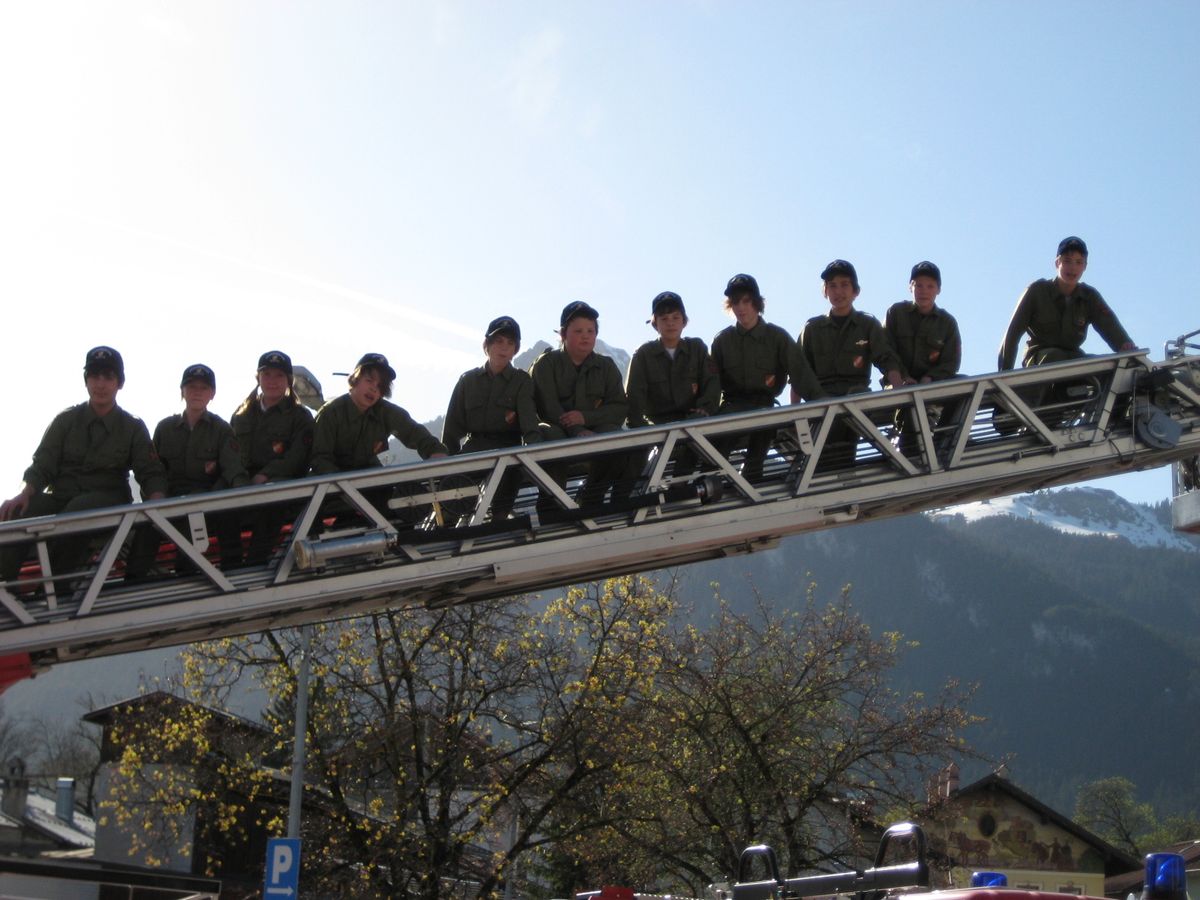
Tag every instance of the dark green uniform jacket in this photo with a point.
(347, 439)
(662, 389)
(488, 412)
(199, 459)
(753, 366)
(1054, 321)
(82, 453)
(593, 388)
(926, 345)
(276, 442)
(842, 349)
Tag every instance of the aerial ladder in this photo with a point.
(424, 533)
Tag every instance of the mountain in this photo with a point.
(1084, 510)
(525, 359)
(1084, 644)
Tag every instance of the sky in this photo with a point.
(202, 182)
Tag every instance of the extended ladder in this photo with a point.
(427, 537)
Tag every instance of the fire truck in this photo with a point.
(427, 533)
(759, 878)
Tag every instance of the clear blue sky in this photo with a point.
(206, 181)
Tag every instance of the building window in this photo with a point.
(987, 825)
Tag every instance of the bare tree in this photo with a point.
(68, 750)
(544, 745)
(777, 727)
(16, 741)
(441, 741)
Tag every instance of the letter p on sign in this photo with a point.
(281, 861)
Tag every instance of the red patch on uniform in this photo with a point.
(858, 362)
(935, 355)
(379, 447)
(769, 381)
(210, 467)
(233, 445)
(277, 448)
(509, 417)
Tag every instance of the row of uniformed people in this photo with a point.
(86, 454)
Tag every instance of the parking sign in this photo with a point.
(283, 869)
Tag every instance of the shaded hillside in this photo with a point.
(1077, 679)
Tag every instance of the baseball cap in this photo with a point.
(276, 359)
(925, 267)
(378, 361)
(1072, 244)
(503, 325)
(742, 284)
(199, 372)
(576, 309)
(840, 267)
(667, 301)
(105, 359)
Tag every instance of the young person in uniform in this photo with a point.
(492, 407)
(926, 340)
(578, 393)
(754, 360)
(842, 345)
(672, 378)
(274, 433)
(1055, 314)
(83, 462)
(200, 454)
(353, 429)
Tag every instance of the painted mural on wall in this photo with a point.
(991, 829)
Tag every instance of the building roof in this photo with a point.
(104, 714)
(40, 813)
(79, 833)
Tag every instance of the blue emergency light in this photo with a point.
(1166, 877)
(989, 879)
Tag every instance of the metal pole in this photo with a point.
(296, 798)
(510, 880)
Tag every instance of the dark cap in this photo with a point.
(276, 359)
(503, 325)
(1072, 244)
(742, 284)
(376, 361)
(199, 372)
(667, 301)
(576, 310)
(840, 267)
(925, 267)
(105, 359)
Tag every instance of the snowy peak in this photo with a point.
(1083, 510)
(619, 356)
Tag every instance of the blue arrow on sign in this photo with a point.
(283, 868)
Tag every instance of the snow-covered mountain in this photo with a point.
(1080, 510)
(619, 356)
